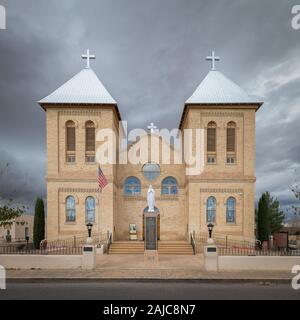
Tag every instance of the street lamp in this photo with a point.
(210, 227)
(89, 227)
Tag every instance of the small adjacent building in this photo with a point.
(18, 229)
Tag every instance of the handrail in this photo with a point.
(193, 243)
(225, 240)
(108, 241)
(77, 240)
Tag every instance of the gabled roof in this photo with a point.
(84, 87)
(218, 89)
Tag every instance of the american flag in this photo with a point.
(101, 179)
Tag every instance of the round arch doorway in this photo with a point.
(156, 210)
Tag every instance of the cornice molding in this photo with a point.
(79, 190)
(80, 113)
(221, 190)
(221, 114)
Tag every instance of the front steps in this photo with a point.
(175, 247)
(127, 247)
(164, 247)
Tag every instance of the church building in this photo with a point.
(222, 193)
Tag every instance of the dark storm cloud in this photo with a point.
(150, 56)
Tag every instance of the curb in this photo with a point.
(262, 281)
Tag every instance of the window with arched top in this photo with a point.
(211, 204)
(211, 142)
(70, 141)
(230, 210)
(231, 142)
(169, 186)
(90, 207)
(70, 209)
(132, 186)
(90, 141)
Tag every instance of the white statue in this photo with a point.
(151, 199)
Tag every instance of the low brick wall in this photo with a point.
(280, 263)
(12, 261)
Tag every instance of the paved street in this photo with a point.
(134, 290)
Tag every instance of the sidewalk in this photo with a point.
(133, 267)
(138, 274)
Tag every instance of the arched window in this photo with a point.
(211, 142)
(231, 142)
(70, 209)
(211, 209)
(70, 141)
(90, 209)
(169, 186)
(90, 141)
(230, 210)
(132, 186)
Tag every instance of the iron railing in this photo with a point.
(49, 250)
(226, 241)
(109, 241)
(67, 246)
(248, 251)
(193, 243)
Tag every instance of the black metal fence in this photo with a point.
(253, 251)
(230, 246)
(225, 241)
(69, 246)
(51, 250)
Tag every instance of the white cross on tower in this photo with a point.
(88, 57)
(152, 127)
(213, 58)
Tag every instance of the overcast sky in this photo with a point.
(150, 57)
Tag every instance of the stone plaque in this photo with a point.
(151, 233)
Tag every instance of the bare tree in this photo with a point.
(8, 211)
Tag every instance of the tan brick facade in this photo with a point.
(180, 214)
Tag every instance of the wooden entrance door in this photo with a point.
(158, 226)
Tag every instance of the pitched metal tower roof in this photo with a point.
(218, 89)
(84, 87)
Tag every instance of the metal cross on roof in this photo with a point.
(152, 127)
(88, 57)
(213, 58)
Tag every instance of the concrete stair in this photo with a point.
(127, 247)
(175, 247)
(164, 247)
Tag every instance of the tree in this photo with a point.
(8, 211)
(263, 226)
(269, 218)
(276, 216)
(295, 188)
(39, 223)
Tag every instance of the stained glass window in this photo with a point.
(169, 186)
(132, 186)
(90, 209)
(211, 209)
(230, 210)
(70, 209)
